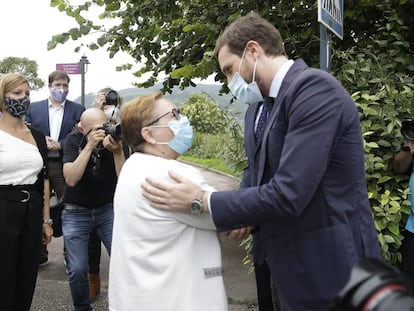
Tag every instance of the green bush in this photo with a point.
(379, 77)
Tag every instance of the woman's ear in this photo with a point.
(146, 134)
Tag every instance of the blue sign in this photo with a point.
(331, 15)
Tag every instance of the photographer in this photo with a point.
(110, 102)
(403, 163)
(92, 161)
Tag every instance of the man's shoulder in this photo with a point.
(76, 105)
(38, 103)
(75, 134)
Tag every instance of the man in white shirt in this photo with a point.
(55, 117)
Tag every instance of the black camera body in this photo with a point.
(113, 129)
(375, 286)
(111, 98)
(407, 129)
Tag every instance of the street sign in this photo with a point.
(331, 15)
(74, 68)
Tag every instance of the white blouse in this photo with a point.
(20, 161)
(160, 260)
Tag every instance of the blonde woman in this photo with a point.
(24, 196)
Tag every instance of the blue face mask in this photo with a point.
(247, 92)
(17, 106)
(59, 94)
(183, 135)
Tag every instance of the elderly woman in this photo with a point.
(24, 196)
(160, 260)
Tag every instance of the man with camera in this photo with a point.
(402, 164)
(110, 102)
(93, 157)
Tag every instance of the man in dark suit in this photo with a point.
(56, 117)
(304, 190)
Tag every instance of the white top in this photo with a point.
(162, 260)
(20, 161)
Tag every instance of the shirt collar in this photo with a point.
(52, 106)
(278, 79)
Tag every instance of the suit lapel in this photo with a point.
(66, 115)
(45, 115)
(250, 119)
(298, 67)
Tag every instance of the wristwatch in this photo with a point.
(196, 206)
(48, 221)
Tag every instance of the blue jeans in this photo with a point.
(77, 224)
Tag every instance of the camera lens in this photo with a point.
(111, 98)
(375, 286)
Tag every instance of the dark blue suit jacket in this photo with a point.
(305, 190)
(38, 116)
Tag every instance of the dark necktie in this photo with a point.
(261, 123)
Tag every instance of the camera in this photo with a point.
(407, 129)
(111, 98)
(113, 129)
(375, 286)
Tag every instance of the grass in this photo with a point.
(217, 164)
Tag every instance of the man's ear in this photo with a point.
(146, 134)
(253, 47)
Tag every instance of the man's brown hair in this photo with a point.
(57, 75)
(251, 27)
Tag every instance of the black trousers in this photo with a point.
(407, 252)
(267, 295)
(20, 238)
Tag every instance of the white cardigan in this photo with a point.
(162, 260)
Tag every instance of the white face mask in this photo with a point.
(247, 92)
(112, 113)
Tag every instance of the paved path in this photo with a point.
(52, 290)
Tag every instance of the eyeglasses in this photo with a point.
(96, 160)
(174, 112)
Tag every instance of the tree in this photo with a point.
(205, 116)
(177, 37)
(24, 66)
(374, 62)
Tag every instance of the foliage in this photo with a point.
(374, 62)
(24, 66)
(205, 116)
(217, 132)
(211, 163)
(177, 37)
(379, 76)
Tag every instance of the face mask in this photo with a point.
(112, 113)
(183, 135)
(17, 106)
(59, 94)
(247, 92)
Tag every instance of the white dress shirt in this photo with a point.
(55, 123)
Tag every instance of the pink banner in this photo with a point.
(69, 68)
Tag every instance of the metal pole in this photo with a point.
(83, 64)
(325, 49)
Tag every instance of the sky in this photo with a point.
(26, 27)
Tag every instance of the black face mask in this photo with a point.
(17, 106)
